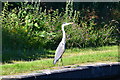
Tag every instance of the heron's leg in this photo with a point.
(58, 63)
(62, 61)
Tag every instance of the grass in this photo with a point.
(70, 57)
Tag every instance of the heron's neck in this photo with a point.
(64, 37)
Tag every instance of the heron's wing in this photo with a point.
(59, 51)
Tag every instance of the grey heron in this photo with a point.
(61, 47)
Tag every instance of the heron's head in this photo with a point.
(65, 24)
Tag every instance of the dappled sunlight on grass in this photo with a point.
(70, 57)
(84, 51)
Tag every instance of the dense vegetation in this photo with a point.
(28, 28)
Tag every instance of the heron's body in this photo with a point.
(59, 52)
(61, 47)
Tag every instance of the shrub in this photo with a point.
(31, 27)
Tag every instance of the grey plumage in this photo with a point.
(59, 52)
(61, 47)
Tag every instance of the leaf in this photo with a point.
(36, 25)
(42, 35)
(27, 17)
(30, 24)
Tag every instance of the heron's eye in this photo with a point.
(64, 23)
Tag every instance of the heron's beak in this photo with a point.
(71, 23)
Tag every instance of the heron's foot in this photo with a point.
(67, 66)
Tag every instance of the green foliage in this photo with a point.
(31, 27)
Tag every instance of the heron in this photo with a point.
(61, 47)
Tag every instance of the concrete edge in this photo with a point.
(97, 70)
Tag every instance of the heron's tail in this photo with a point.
(54, 62)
